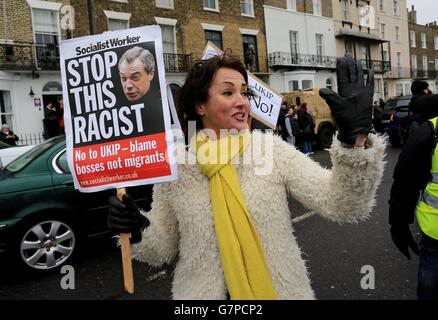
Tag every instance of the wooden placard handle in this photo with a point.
(128, 278)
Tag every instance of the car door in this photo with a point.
(93, 206)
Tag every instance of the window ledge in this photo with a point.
(212, 10)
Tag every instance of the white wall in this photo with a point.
(27, 119)
(280, 21)
(278, 24)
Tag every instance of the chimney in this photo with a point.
(412, 15)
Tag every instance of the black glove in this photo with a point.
(352, 107)
(402, 237)
(126, 217)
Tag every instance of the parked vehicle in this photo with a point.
(9, 153)
(43, 220)
(390, 109)
(320, 111)
(398, 127)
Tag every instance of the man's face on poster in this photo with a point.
(135, 80)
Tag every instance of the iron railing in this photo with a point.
(30, 139)
(287, 59)
(378, 66)
(424, 74)
(177, 62)
(31, 56)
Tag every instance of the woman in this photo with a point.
(228, 224)
(7, 136)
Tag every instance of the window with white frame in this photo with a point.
(6, 114)
(385, 55)
(382, 5)
(211, 5)
(46, 31)
(45, 26)
(397, 33)
(399, 89)
(436, 64)
(117, 24)
(383, 30)
(435, 41)
(319, 45)
(215, 37)
(293, 39)
(423, 41)
(292, 5)
(414, 65)
(396, 6)
(117, 20)
(168, 34)
(425, 66)
(294, 85)
(378, 87)
(345, 10)
(413, 40)
(317, 7)
(247, 7)
(306, 84)
(164, 3)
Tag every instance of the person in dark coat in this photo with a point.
(412, 175)
(281, 125)
(307, 126)
(8, 136)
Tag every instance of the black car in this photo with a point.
(399, 126)
(390, 109)
(43, 219)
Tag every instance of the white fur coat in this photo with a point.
(182, 220)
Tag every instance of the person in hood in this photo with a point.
(415, 177)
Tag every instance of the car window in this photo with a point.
(62, 162)
(403, 102)
(390, 105)
(22, 161)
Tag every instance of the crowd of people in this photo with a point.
(296, 126)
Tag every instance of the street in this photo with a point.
(335, 255)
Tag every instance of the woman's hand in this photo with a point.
(352, 107)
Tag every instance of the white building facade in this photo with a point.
(301, 49)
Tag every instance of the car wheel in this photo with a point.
(46, 245)
(325, 137)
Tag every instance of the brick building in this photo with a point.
(423, 43)
(31, 31)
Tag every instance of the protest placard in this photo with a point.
(117, 119)
(265, 105)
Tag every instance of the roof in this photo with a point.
(358, 34)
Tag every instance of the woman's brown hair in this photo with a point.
(199, 80)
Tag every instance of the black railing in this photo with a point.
(377, 65)
(398, 73)
(30, 139)
(31, 56)
(287, 59)
(424, 74)
(177, 62)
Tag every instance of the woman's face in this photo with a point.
(227, 105)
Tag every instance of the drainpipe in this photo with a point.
(5, 19)
(90, 16)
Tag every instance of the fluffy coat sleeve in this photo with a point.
(346, 193)
(160, 240)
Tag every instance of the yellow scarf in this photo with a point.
(243, 260)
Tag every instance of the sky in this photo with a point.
(427, 10)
